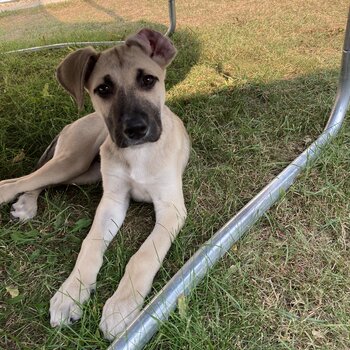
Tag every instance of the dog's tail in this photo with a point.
(48, 154)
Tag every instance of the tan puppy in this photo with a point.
(144, 149)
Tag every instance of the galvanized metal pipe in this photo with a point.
(158, 310)
(169, 32)
(172, 18)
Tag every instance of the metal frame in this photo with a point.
(169, 32)
(142, 329)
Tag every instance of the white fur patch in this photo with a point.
(25, 208)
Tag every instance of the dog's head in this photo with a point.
(125, 84)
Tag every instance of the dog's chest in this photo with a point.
(139, 185)
(142, 175)
(142, 170)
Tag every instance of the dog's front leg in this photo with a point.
(65, 305)
(121, 309)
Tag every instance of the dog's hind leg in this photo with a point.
(92, 175)
(26, 205)
(69, 156)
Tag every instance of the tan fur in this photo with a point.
(151, 171)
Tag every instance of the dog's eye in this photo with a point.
(145, 81)
(104, 90)
(148, 81)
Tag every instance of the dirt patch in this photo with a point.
(191, 13)
(8, 5)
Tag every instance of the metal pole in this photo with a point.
(169, 32)
(158, 310)
(172, 18)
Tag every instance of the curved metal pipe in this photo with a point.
(158, 310)
(172, 18)
(63, 45)
(169, 32)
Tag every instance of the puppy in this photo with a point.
(144, 149)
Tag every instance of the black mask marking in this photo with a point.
(128, 111)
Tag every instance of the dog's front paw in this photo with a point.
(117, 315)
(66, 304)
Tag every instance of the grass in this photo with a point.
(254, 84)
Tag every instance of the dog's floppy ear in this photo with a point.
(154, 44)
(74, 71)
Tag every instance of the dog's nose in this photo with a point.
(135, 129)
